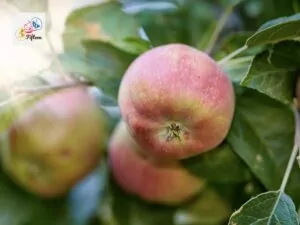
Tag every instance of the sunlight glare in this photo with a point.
(16, 61)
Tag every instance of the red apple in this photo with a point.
(141, 175)
(56, 142)
(176, 101)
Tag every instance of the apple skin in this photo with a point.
(56, 142)
(154, 181)
(176, 101)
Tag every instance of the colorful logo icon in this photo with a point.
(28, 30)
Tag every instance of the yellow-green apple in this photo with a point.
(56, 142)
(177, 101)
(155, 181)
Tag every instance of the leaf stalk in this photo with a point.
(293, 154)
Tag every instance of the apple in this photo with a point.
(153, 180)
(176, 101)
(56, 142)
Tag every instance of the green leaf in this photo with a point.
(233, 42)
(262, 134)
(163, 26)
(269, 208)
(276, 30)
(244, 191)
(20, 208)
(100, 63)
(140, 45)
(273, 72)
(106, 65)
(208, 209)
(256, 12)
(105, 22)
(73, 62)
(237, 68)
(218, 165)
(119, 208)
(191, 22)
(286, 54)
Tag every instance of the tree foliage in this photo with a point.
(245, 174)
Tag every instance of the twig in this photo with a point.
(232, 55)
(51, 87)
(23, 92)
(12, 99)
(222, 21)
(293, 155)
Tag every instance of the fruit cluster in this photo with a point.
(175, 103)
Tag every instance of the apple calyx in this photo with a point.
(173, 130)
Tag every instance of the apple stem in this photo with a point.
(232, 55)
